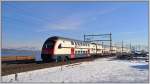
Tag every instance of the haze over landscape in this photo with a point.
(29, 55)
(26, 25)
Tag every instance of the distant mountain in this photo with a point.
(18, 52)
(27, 48)
(24, 48)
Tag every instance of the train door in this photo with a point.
(72, 53)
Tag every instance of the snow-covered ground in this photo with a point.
(99, 70)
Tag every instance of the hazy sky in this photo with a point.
(31, 23)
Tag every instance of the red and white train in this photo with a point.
(59, 47)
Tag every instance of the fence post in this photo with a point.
(16, 76)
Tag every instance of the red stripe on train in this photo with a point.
(88, 53)
(72, 55)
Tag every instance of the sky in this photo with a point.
(29, 24)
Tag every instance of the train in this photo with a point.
(57, 47)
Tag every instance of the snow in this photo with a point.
(100, 70)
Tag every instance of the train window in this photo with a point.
(75, 52)
(82, 44)
(78, 43)
(72, 43)
(59, 46)
(83, 51)
(75, 43)
(78, 52)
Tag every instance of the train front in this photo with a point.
(48, 49)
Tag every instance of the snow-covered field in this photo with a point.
(99, 70)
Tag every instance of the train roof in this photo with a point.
(63, 38)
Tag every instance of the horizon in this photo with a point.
(29, 24)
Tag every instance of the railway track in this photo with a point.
(12, 68)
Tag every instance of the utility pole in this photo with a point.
(109, 38)
(139, 47)
(130, 46)
(102, 48)
(84, 37)
(122, 46)
(110, 43)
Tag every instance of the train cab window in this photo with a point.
(59, 46)
(72, 43)
(49, 45)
